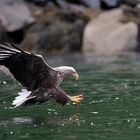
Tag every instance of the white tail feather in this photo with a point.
(22, 97)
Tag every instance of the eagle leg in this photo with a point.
(76, 99)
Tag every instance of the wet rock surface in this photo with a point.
(15, 15)
(65, 25)
(56, 31)
(107, 34)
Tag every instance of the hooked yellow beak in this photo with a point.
(77, 77)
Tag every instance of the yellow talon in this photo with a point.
(76, 99)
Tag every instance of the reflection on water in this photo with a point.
(110, 109)
(53, 121)
(23, 120)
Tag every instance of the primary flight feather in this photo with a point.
(41, 81)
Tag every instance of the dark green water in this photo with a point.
(110, 109)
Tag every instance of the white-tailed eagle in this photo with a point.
(41, 81)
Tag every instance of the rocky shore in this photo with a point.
(102, 26)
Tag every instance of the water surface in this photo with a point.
(110, 109)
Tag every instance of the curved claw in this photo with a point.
(76, 99)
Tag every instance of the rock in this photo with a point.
(55, 29)
(87, 3)
(131, 3)
(61, 34)
(64, 3)
(92, 3)
(14, 15)
(109, 4)
(106, 34)
(131, 14)
(38, 2)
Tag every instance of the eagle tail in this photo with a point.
(22, 97)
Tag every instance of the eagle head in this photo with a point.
(64, 71)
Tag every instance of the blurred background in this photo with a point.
(62, 26)
(101, 40)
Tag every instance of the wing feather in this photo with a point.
(7, 72)
(28, 69)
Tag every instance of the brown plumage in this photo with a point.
(41, 81)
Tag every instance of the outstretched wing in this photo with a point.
(27, 68)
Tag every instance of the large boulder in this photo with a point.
(60, 31)
(106, 34)
(14, 15)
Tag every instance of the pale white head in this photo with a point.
(64, 71)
